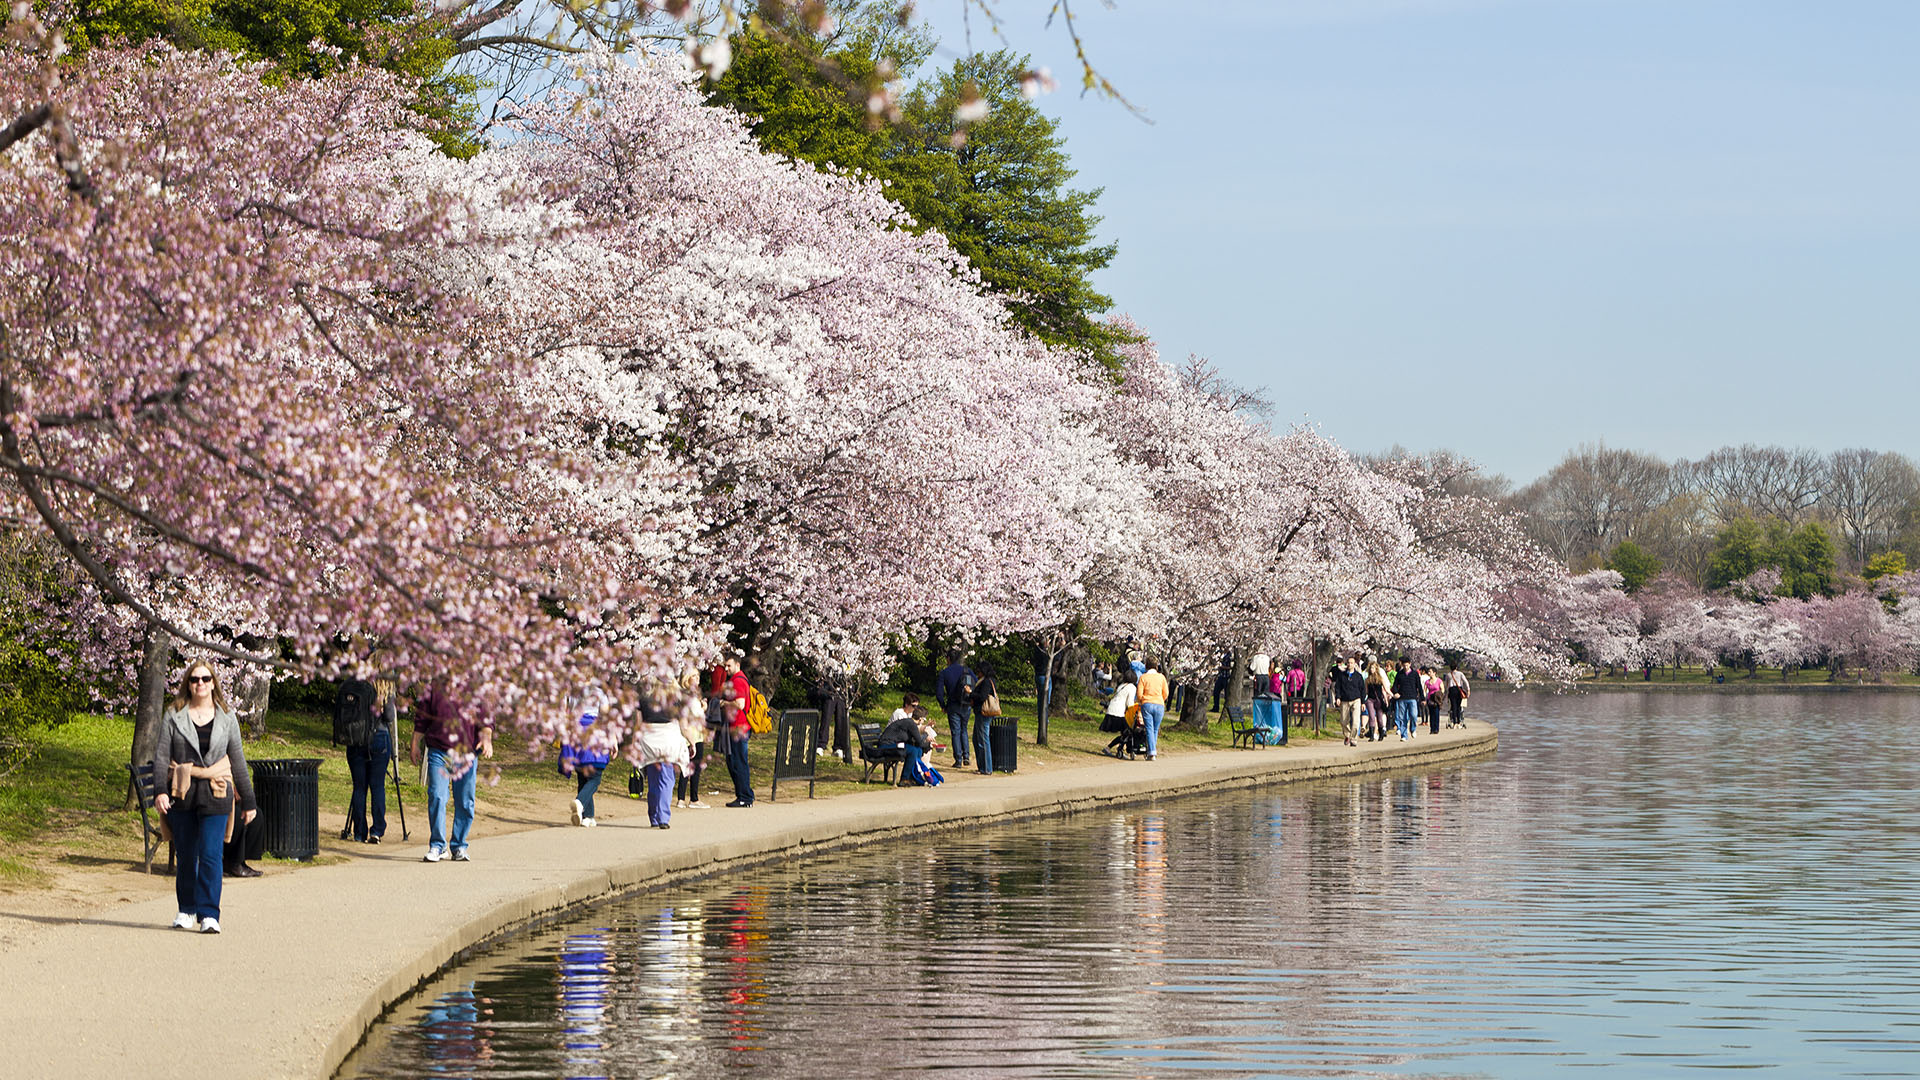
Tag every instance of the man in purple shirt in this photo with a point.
(444, 727)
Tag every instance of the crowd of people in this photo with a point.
(206, 800)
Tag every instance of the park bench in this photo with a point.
(150, 835)
(872, 756)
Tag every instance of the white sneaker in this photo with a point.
(209, 926)
(184, 921)
(698, 805)
(587, 821)
(460, 855)
(434, 855)
(577, 810)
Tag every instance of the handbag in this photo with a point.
(990, 705)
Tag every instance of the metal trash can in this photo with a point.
(1004, 737)
(288, 791)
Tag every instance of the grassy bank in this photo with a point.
(68, 804)
(1766, 678)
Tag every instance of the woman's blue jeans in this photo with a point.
(1152, 713)
(197, 844)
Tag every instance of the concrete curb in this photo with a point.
(372, 933)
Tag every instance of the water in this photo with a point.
(1649, 885)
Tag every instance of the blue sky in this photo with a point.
(1507, 227)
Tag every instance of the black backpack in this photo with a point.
(353, 714)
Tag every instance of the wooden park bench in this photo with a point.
(872, 756)
(150, 835)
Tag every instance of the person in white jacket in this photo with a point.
(1123, 699)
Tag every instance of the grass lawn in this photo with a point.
(67, 805)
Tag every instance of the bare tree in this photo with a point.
(1759, 481)
(1596, 497)
(1869, 493)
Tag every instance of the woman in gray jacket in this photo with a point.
(199, 770)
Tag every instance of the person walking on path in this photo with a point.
(663, 754)
(201, 772)
(1376, 700)
(586, 763)
(954, 691)
(1349, 688)
(736, 701)
(1153, 705)
(445, 729)
(985, 686)
(1433, 695)
(1407, 692)
(1457, 693)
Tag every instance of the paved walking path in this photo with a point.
(309, 959)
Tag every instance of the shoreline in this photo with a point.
(307, 963)
(1744, 686)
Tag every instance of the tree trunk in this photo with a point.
(1320, 656)
(1193, 708)
(251, 691)
(1238, 691)
(156, 656)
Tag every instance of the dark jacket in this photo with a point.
(445, 724)
(904, 731)
(954, 690)
(1407, 685)
(1349, 685)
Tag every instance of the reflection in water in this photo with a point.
(1650, 884)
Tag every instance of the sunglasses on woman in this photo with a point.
(199, 679)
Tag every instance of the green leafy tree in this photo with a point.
(1886, 564)
(1635, 564)
(1738, 550)
(1804, 556)
(1004, 203)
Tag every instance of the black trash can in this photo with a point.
(1004, 737)
(288, 790)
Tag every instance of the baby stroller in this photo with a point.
(1131, 742)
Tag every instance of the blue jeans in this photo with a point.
(957, 731)
(439, 787)
(368, 767)
(660, 777)
(737, 766)
(1151, 713)
(586, 787)
(1406, 715)
(197, 845)
(983, 743)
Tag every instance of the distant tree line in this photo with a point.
(1819, 520)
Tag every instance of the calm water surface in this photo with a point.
(1649, 885)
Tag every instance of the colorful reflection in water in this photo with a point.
(1645, 885)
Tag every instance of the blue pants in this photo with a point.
(983, 743)
(440, 787)
(197, 844)
(368, 767)
(660, 777)
(737, 766)
(1151, 714)
(586, 786)
(957, 731)
(1406, 715)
